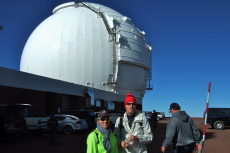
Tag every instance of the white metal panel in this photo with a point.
(135, 79)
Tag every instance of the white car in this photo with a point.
(69, 123)
(160, 115)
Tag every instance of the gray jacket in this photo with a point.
(140, 127)
(181, 130)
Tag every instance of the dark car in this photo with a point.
(114, 114)
(218, 118)
(11, 121)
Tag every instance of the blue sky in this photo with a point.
(190, 41)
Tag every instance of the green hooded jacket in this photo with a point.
(95, 143)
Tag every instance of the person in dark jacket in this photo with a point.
(154, 119)
(181, 132)
(53, 124)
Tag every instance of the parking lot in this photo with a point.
(216, 141)
(30, 144)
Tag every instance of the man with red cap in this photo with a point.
(132, 130)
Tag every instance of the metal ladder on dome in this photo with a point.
(112, 33)
(101, 14)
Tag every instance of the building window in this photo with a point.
(98, 103)
(89, 93)
(88, 102)
(110, 106)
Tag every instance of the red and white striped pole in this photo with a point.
(205, 118)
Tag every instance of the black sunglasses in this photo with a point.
(103, 119)
(131, 104)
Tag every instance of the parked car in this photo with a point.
(218, 118)
(32, 119)
(161, 115)
(114, 114)
(68, 123)
(148, 114)
(88, 115)
(11, 121)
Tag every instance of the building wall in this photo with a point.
(48, 103)
(10, 96)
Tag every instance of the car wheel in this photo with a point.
(219, 125)
(68, 129)
(158, 118)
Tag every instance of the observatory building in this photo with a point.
(91, 46)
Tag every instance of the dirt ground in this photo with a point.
(217, 141)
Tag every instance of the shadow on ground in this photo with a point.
(159, 136)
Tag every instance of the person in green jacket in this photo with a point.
(102, 139)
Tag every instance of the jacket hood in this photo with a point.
(181, 115)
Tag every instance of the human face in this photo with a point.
(130, 108)
(104, 122)
(173, 111)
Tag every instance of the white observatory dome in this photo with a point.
(91, 45)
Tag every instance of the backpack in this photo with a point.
(96, 132)
(120, 124)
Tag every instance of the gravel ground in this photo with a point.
(217, 141)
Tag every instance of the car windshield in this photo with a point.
(73, 118)
(12, 116)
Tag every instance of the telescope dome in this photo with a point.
(91, 45)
